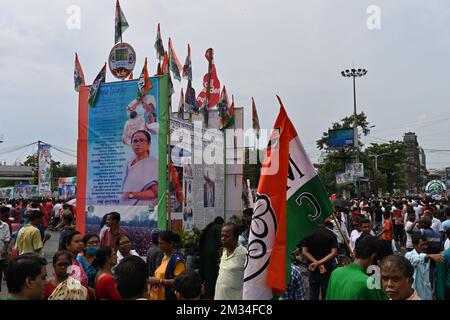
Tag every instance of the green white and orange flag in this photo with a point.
(144, 83)
(174, 63)
(78, 75)
(181, 105)
(121, 23)
(187, 67)
(255, 119)
(95, 86)
(159, 47)
(282, 219)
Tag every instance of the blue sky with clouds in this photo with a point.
(295, 49)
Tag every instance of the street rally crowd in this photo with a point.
(406, 239)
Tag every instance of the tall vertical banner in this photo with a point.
(44, 169)
(122, 158)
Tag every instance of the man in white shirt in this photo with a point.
(436, 224)
(230, 281)
(4, 242)
(341, 233)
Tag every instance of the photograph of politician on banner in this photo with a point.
(123, 147)
(209, 187)
(44, 169)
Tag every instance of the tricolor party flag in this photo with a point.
(121, 23)
(144, 83)
(174, 63)
(78, 75)
(255, 119)
(190, 99)
(281, 218)
(159, 47)
(187, 68)
(95, 86)
(181, 105)
(222, 107)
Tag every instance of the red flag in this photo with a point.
(175, 179)
(214, 83)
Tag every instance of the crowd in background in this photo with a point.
(407, 238)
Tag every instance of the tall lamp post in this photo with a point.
(355, 73)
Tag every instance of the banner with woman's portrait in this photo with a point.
(122, 141)
(44, 169)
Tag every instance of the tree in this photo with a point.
(346, 123)
(390, 159)
(335, 161)
(252, 171)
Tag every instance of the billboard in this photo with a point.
(122, 148)
(44, 169)
(356, 169)
(340, 138)
(7, 193)
(344, 178)
(67, 187)
(197, 155)
(26, 191)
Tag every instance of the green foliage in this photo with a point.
(190, 241)
(346, 123)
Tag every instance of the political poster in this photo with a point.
(7, 193)
(26, 191)
(44, 169)
(356, 169)
(344, 178)
(122, 158)
(199, 152)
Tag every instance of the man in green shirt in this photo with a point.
(26, 277)
(352, 282)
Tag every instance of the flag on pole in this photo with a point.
(165, 65)
(190, 102)
(95, 86)
(144, 83)
(78, 75)
(121, 23)
(282, 218)
(230, 121)
(223, 106)
(181, 105)
(255, 119)
(159, 46)
(174, 63)
(187, 68)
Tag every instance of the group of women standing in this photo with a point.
(83, 270)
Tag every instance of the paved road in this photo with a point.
(51, 246)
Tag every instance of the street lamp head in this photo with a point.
(343, 73)
(353, 70)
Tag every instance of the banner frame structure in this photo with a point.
(82, 153)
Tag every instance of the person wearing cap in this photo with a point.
(29, 238)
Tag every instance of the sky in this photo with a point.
(295, 49)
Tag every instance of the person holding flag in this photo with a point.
(282, 220)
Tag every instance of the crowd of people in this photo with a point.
(369, 249)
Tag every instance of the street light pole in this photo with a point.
(355, 73)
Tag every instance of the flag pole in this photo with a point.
(169, 161)
(208, 87)
(342, 235)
